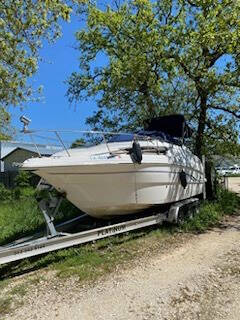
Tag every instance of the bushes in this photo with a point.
(228, 201)
(5, 194)
(210, 213)
(22, 180)
(22, 188)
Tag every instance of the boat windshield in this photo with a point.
(121, 137)
(153, 134)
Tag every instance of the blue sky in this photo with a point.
(60, 61)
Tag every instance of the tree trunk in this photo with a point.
(151, 108)
(201, 126)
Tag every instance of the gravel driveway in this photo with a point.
(199, 280)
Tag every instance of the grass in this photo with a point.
(11, 295)
(5, 305)
(19, 290)
(92, 260)
(210, 213)
(21, 217)
(95, 260)
(12, 298)
(18, 218)
(3, 284)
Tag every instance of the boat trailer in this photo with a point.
(54, 240)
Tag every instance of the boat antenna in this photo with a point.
(25, 129)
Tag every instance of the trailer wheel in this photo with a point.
(190, 213)
(193, 211)
(181, 216)
(196, 210)
(186, 212)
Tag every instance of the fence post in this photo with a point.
(226, 183)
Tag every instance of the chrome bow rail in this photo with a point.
(36, 133)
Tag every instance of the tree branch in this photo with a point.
(192, 4)
(235, 114)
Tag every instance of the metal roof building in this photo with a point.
(8, 148)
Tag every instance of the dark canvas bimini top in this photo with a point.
(174, 125)
(166, 128)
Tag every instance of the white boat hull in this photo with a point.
(108, 187)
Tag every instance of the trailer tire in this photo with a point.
(194, 210)
(181, 216)
(186, 212)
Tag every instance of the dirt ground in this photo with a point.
(199, 280)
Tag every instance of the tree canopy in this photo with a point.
(4, 123)
(163, 57)
(78, 143)
(24, 24)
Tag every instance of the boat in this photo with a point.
(127, 173)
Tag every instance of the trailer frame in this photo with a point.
(25, 248)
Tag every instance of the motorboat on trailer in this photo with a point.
(127, 173)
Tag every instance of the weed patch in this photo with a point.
(18, 218)
(3, 284)
(210, 213)
(11, 298)
(22, 217)
(5, 305)
(19, 290)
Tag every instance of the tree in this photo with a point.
(23, 26)
(4, 123)
(164, 56)
(78, 143)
